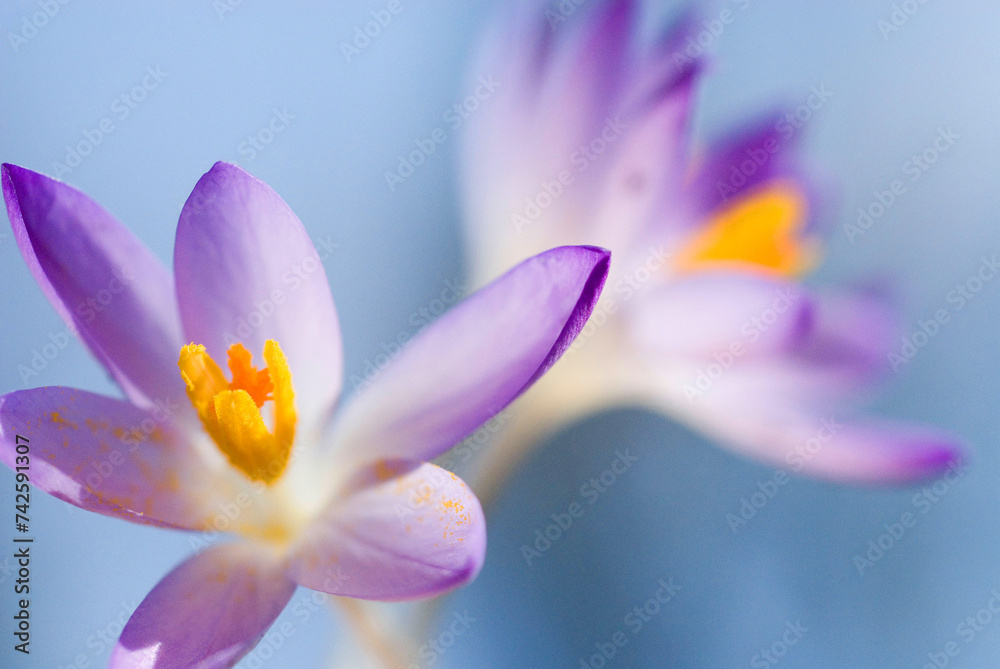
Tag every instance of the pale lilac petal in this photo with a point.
(108, 456)
(856, 329)
(404, 530)
(871, 453)
(722, 314)
(475, 359)
(669, 61)
(247, 271)
(581, 87)
(527, 178)
(208, 612)
(101, 280)
(643, 192)
(827, 446)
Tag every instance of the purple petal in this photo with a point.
(108, 456)
(743, 314)
(557, 92)
(746, 159)
(475, 359)
(643, 191)
(823, 447)
(872, 453)
(247, 271)
(208, 612)
(668, 63)
(101, 280)
(581, 86)
(404, 530)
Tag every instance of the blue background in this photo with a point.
(227, 73)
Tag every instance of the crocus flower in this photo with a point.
(345, 504)
(705, 318)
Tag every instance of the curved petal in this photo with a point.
(643, 190)
(871, 453)
(208, 612)
(583, 82)
(475, 359)
(823, 447)
(724, 314)
(101, 280)
(791, 413)
(403, 530)
(529, 166)
(246, 271)
(108, 456)
(747, 158)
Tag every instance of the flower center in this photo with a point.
(230, 410)
(762, 231)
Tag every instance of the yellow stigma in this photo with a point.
(762, 231)
(230, 410)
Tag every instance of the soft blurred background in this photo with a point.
(328, 128)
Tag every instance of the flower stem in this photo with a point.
(374, 636)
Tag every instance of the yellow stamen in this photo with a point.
(763, 231)
(246, 377)
(230, 411)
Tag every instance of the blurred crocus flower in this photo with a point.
(348, 506)
(705, 317)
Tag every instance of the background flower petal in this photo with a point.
(102, 280)
(529, 176)
(713, 314)
(475, 359)
(247, 271)
(208, 612)
(402, 530)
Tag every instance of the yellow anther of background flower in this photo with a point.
(762, 231)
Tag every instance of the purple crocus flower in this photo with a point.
(348, 504)
(705, 318)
